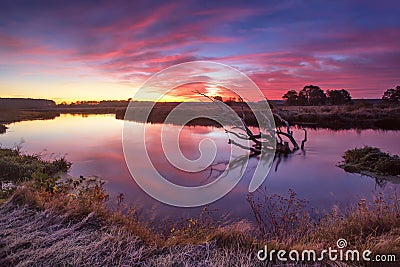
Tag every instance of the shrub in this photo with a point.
(371, 159)
(17, 167)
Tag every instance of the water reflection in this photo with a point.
(93, 144)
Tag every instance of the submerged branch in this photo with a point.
(305, 138)
(291, 138)
(284, 122)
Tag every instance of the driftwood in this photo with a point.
(282, 147)
(261, 140)
(261, 148)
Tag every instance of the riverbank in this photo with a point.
(356, 116)
(8, 116)
(15, 115)
(386, 117)
(49, 222)
(42, 228)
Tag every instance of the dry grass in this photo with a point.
(40, 228)
(48, 222)
(284, 222)
(69, 224)
(38, 238)
(374, 226)
(44, 236)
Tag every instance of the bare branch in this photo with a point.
(291, 138)
(285, 122)
(305, 138)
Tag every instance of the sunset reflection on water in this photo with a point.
(93, 143)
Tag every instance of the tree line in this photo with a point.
(312, 95)
(93, 103)
(26, 103)
(392, 95)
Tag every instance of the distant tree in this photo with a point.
(217, 97)
(338, 97)
(291, 98)
(302, 99)
(392, 95)
(312, 95)
(232, 99)
(26, 103)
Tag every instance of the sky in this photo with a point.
(93, 50)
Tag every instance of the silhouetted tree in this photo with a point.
(291, 98)
(217, 97)
(392, 95)
(26, 103)
(312, 95)
(338, 97)
(231, 100)
(302, 99)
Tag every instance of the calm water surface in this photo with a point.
(93, 143)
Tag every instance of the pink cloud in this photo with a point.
(131, 47)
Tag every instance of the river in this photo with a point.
(93, 143)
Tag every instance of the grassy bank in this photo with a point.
(49, 222)
(16, 167)
(43, 228)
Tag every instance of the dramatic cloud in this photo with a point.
(280, 45)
